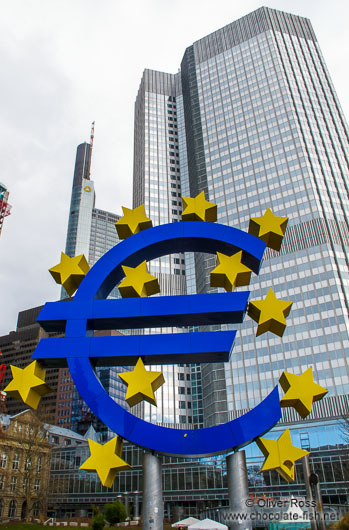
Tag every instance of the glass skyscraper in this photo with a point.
(253, 120)
(91, 232)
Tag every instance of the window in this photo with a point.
(3, 460)
(37, 485)
(2, 482)
(28, 463)
(36, 509)
(38, 465)
(12, 508)
(13, 484)
(25, 483)
(15, 463)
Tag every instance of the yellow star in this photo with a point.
(230, 272)
(199, 209)
(132, 222)
(70, 272)
(106, 460)
(138, 282)
(301, 391)
(28, 384)
(141, 384)
(270, 314)
(280, 455)
(269, 228)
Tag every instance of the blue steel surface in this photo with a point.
(196, 442)
(193, 236)
(89, 311)
(205, 347)
(134, 313)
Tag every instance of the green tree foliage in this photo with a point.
(343, 523)
(98, 522)
(115, 512)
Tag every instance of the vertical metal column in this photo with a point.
(136, 505)
(238, 489)
(309, 493)
(153, 509)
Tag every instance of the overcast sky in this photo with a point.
(65, 63)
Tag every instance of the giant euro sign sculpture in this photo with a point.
(238, 255)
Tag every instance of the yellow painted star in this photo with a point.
(138, 282)
(141, 384)
(199, 209)
(301, 391)
(230, 272)
(270, 314)
(132, 222)
(70, 272)
(270, 228)
(280, 455)
(28, 384)
(106, 460)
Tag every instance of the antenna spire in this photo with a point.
(92, 135)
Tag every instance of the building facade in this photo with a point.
(264, 128)
(25, 460)
(195, 486)
(91, 232)
(17, 348)
(253, 120)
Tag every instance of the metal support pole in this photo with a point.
(306, 471)
(126, 503)
(238, 488)
(136, 511)
(153, 510)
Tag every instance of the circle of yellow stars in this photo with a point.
(230, 272)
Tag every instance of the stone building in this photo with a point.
(25, 457)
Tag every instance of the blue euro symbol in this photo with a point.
(90, 310)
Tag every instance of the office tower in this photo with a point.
(17, 348)
(258, 124)
(91, 232)
(5, 207)
(264, 128)
(156, 184)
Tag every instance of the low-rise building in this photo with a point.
(25, 459)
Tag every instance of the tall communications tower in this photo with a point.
(5, 207)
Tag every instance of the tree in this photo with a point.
(342, 524)
(115, 512)
(98, 522)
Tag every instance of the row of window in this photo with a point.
(14, 483)
(16, 462)
(12, 508)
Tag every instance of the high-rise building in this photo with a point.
(264, 128)
(5, 207)
(157, 185)
(17, 348)
(253, 120)
(90, 232)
